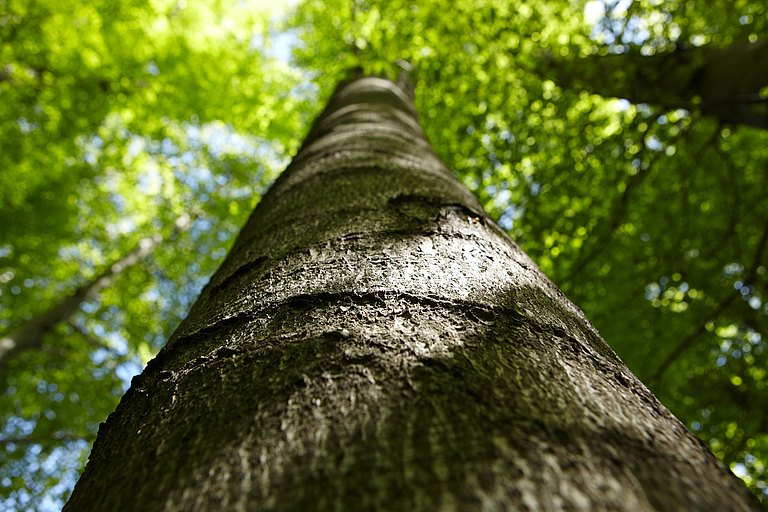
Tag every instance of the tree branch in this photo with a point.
(617, 216)
(31, 334)
(721, 82)
(57, 437)
(690, 340)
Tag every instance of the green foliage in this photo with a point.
(115, 119)
(665, 25)
(118, 117)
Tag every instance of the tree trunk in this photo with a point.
(374, 341)
(32, 334)
(726, 83)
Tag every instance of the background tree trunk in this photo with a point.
(726, 83)
(374, 342)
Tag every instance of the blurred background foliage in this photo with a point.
(646, 205)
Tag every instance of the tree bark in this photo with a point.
(726, 83)
(32, 334)
(374, 341)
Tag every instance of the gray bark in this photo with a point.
(31, 335)
(374, 341)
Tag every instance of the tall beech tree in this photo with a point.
(374, 341)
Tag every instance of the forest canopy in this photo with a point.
(623, 145)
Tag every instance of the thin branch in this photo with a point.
(57, 437)
(619, 212)
(686, 178)
(690, 340)
(31, 334)
(733, 173)
(93, 340)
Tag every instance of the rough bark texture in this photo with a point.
(375, 342)
(726, 83)
(31, 335)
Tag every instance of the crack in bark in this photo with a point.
(252, 265)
